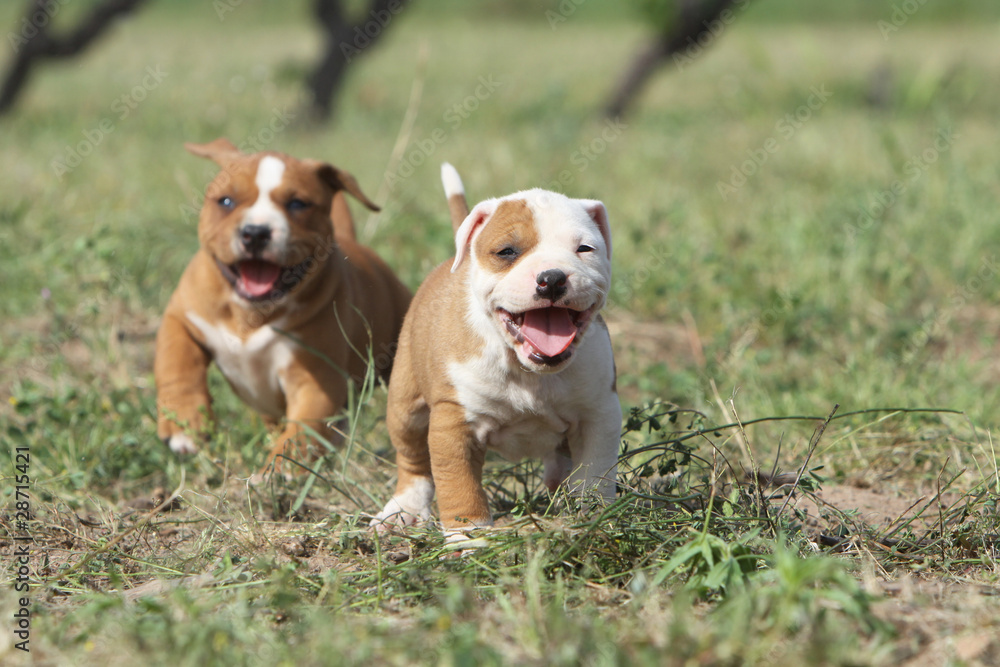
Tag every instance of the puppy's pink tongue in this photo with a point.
(257, 277)
(550, 330)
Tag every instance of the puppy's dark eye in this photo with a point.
(227, 203)
(295, 205)
(585, 248)
(507, 252)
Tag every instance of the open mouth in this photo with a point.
(547, 336)
(259, 280)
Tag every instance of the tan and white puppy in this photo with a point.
(503, 349)
(282, 298)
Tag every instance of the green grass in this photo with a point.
(783, 296)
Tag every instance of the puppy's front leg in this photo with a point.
(183, 401)
(311, 400)
(457, 464)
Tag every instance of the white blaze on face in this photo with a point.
(270, 172)
(565, 226)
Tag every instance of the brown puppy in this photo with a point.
(287, 304)
(504, 350)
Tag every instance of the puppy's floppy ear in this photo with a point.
(338, 179)
(473, 222)
(599, 215)
(221, 150)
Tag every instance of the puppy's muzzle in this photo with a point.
(254, 238)
(551, 284)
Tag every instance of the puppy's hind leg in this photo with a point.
(558, 465)
(595, 452)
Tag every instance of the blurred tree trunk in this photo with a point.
(33, 40)
(694, 20)
(346, 39)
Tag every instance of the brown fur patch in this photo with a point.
(511, 226)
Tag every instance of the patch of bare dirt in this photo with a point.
(877, 508)
(942, 623)
(942, 615)
(633, 338)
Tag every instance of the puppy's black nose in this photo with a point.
(255, 237)
(551, 284)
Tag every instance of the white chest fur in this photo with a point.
(522, 414)
(255, 367)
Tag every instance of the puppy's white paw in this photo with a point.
(395, 515)
(463, 540)
(181, 443)
(407, 508)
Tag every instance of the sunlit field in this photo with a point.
(806, 279)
